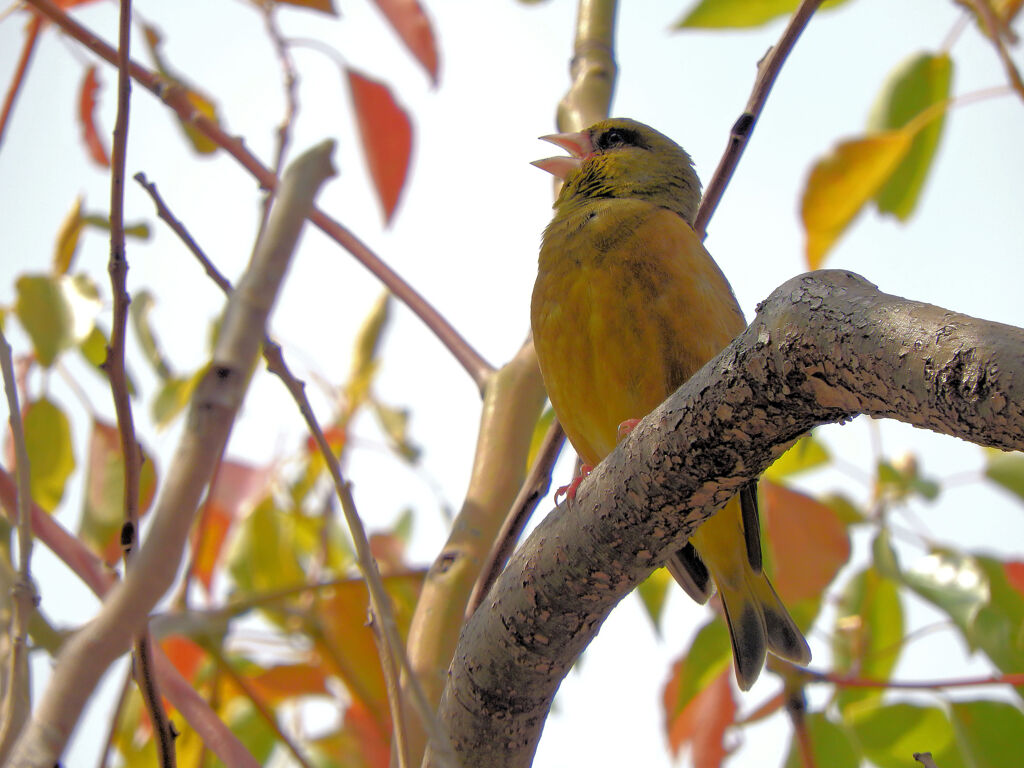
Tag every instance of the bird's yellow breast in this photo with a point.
(627, 305)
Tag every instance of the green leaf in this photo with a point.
(807, 453)
(103, 512)
(94, 349)
(953, 582)
(868, 634)
(652, 591)
(998, 627)
(830, 744)
(138, 311)
(845, 510)
(173, 396)
(901, 479)
(263, 556)
(1007, 470)
(890, 735)
(395, 423)
(50, 455)
(540, 429)
(713, 14)
(56, 311)
(990, 733)
(884, 556)
(918, 83)
(364, 351)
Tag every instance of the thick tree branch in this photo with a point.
(824, 347)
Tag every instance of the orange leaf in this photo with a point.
(343, 612)
(374, 743)
(703, 721)
(287, 681)
(386, 134)
(841, 183)
(87, 118)
(412, 24)
(183, 654)
(1014, 572)
(809, 542)
(236, 488)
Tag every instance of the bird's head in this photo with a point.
(625, 159)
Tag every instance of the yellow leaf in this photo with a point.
(67, 238)
(841, 183)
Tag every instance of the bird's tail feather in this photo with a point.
(758, 622)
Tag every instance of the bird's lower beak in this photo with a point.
(576, 144)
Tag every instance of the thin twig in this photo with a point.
(17, 702)
(379, 599)
(212, 412)
(224, 664)
(767, 71)
(796, 708)
(100, 580)
(115, 721)
(534, 488)
(115, 368)
(291, 100)
(990, 22)
(844, 681)
(175, 97)
(18, 79)
(380, 603)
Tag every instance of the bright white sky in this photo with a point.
(466, 236)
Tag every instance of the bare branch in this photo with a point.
(17, 702)
(593, 67)
(823, 348)
(767, 71)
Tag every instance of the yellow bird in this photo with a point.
(627, 306)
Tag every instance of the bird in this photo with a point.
(627, 305)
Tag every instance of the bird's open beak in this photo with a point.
(576, 144)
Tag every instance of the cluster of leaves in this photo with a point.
(807, 540)
(807, 544)
(267, 560)
(887, 165)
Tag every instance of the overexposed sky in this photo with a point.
(466, 236)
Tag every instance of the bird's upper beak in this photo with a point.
(576, 144)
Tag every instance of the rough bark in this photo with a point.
(823, 348)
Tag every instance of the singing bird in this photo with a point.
(628, 305)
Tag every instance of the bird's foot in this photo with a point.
(569, 491)
(626, 427)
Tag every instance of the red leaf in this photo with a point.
(411, 23)
(808, 540)
(184, 654)
(87, 118)
(386, 133)
(374, 743)
(702, 723)
(236, 488)
(1014, 571)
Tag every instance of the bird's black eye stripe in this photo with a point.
(618, 137)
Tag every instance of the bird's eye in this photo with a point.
(611, 139)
